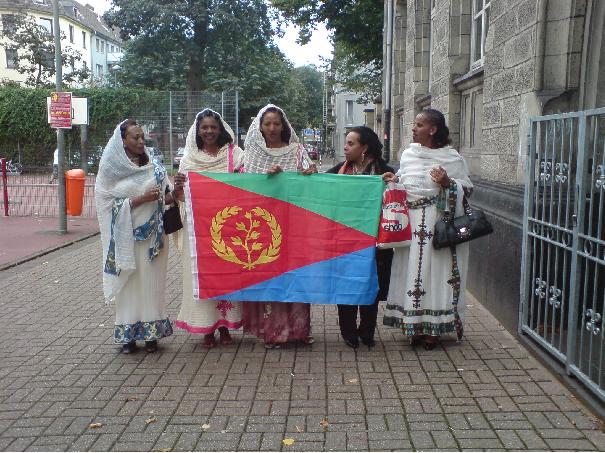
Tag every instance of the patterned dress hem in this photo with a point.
(142, 331)
(198, 330)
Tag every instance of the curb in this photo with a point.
(32, 257)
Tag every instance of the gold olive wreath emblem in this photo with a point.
(247, 240)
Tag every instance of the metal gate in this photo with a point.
(563, 260)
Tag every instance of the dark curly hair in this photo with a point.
(124, 126)
(285, 132)
(223, 136)
(441, 138)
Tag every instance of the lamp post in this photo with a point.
(60, 134)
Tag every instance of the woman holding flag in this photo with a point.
(363, 157)
(272, 146)
(209, 147)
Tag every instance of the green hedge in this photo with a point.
(25, 133)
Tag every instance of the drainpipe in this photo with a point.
(540, 46)
(388, 74)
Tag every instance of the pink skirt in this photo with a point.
(277, 322)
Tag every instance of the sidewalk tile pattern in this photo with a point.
(61, 372)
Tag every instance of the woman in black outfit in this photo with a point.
(363, 154)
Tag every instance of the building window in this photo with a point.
(84, 66)
(72, 63)
(112, 49)
(99, 71)
(84, 40)
(471, 118)
(47, 24)
(349, 112)
(479, 29)
(102, 46)
(98, 45)
(71, 34)
(11, 58)
(8, 23)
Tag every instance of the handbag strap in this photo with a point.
(230, 158)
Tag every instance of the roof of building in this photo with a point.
(82, 14)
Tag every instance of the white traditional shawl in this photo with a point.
(417, 161)
(119, 179)
(259, 159)
(195, 159)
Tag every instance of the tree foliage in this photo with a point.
(219, 45)
(35, 49)
(357, 35)
(26, 135)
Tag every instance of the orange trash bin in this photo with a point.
(74, 191)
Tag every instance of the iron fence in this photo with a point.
(563, 265)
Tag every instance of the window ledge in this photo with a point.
(469, 80)
(423, 100)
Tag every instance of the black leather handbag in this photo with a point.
(172, 219)
(451, 231)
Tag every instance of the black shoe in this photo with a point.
(129, 348)
(151, 346)
(352, 343)
(369, 342)
(430, 345)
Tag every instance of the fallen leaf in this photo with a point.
(288, 441)
(353, 381)
(132, 398)
(298, 429)
(151, 420)
(56, 281)
(95, 425)
(324, 423)
(460, 369)
(164, 449)
(205, 426)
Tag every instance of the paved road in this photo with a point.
(61, 373)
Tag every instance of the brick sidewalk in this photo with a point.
(60, 373)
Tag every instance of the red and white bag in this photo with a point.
(394, 229)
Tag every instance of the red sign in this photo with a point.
(60, 110)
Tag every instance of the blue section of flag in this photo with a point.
(348, 279)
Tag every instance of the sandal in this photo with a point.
(431, 343)
(272, 346)
(209, 341)
(416, 340)
(224, 336)
(309, 340)
(129, 348)
(151, 346)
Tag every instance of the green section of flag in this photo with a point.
(354, 201)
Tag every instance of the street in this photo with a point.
(65, 386)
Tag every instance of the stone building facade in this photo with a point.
(489, 65)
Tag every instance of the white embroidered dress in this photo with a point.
(202, 316)
(426, 294)
(135, 250)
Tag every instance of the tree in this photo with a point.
(313, 83)
(357, 35)
(34, 52)
(177, 44)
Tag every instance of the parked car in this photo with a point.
(177, 159)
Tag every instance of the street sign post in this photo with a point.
(60, 110)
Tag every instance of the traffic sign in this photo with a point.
(60, 110)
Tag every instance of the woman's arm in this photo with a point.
(151, 194)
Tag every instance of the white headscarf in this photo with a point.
(196, 160)
(417, 161)
(118, 180)
(259, 159)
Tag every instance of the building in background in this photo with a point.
(84, 31)
(347, 113)
(490, 65)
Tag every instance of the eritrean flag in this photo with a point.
(284, 237)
